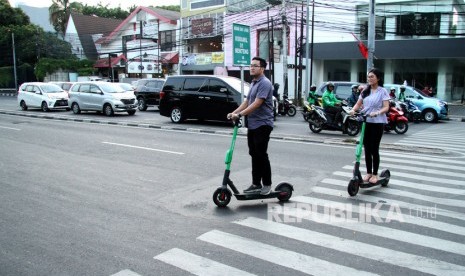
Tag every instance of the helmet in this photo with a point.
(393, 88)
(313, 86)
(402, 87)
(355, 86)
(328, 84)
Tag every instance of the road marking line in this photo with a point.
(419, 170)
(433, 146)
(402, 204)
(409, 218)
(283, 257)
(10, 128)
(126, 272)
(425, 187)
(431, 158)
(198, 265)
(418, 177)
(377, 253)
(376, 230)
(144, 148)
(425, 164)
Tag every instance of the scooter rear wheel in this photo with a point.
(222, 197)
(353, 187)
(291, 111)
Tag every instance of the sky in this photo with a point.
(112, 3)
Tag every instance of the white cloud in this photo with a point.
(111, 3)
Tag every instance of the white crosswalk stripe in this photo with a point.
(198, 265)
(420, 215)
(443, 136)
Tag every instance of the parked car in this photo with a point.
(202, 97)
(46, 96)
(342, 89)
(65, 85)
(125, 86)
(432, 109)
(147, 92)
(103, 97)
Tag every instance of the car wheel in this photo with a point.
(75, 108)
(177, 115)
(142, 105)
(44, 107)
(108, 110)
(131, 112)
(23, 105)
(430, 116)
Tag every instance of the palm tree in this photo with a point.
(59, 13)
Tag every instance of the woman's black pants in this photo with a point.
(371, 141)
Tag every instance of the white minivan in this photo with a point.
(46, 96)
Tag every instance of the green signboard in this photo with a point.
(241, 45)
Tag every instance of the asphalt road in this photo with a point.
(83, 198)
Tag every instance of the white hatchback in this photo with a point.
(45, 96)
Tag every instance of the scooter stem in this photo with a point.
(358, 151)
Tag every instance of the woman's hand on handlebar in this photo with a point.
(233, 116)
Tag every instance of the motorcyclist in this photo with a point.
(331, 105)
(353, 98)
(312, 96)
(392, 94)
(402, 93)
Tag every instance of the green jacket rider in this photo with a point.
(329, 99)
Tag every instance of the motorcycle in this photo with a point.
(411, 111)
(285, 106)
(319, 120)
(307, 109)
(396, 120)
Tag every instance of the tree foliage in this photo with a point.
(50, 65)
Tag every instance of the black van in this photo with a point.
(202, 97)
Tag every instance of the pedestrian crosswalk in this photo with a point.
(414, 226)
(448, 137)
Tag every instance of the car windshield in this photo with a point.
(126, 86)
(236, 84)
(111, 88)
(51, 88)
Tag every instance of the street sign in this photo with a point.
(241, 45)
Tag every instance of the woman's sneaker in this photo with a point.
(253, 188)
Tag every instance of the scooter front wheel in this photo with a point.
(222, 197)
(386, 174)
(353, 187)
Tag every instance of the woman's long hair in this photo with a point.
(366, 92)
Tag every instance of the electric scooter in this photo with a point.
(357, 181)
(222, 195)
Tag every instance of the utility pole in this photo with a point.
(284, 38)
(307, 72)
(14, 61)
(371, 35)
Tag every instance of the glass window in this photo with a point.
(174, 84)
(199, 4)
(193, 84)
(51, 88)
(152, 84)
(84, 88)
(94, 89)
(215, 86)
(418, 24)
(75, 88)
(343, 91)
(167, 40)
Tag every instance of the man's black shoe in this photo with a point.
(253, 188)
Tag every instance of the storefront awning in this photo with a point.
(172, 58)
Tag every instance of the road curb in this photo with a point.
(302, 139)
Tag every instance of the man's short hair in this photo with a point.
(262, 61)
